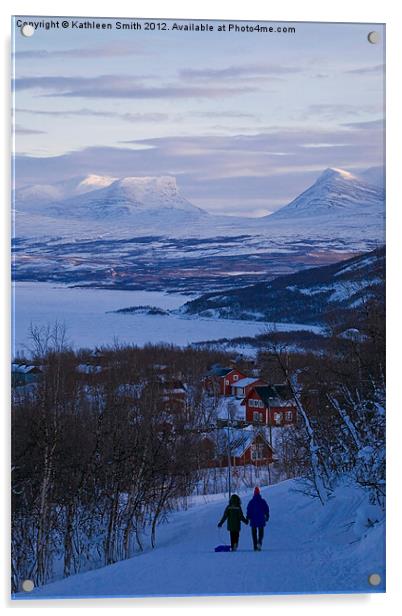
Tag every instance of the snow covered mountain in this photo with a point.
(35, 196)
(329, 211)
(98, 198)
(374, 176)
(334, 195)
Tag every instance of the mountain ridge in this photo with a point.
(303, 297)
(334, 192)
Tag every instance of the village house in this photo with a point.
(243, 447)
(242, 387)
(270, 405)
(24, 374)
(219, 380)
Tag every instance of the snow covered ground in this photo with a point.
(308, 549)
(85, 314)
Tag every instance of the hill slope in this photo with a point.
(304, 297)
(336, 193)
(326, 549)
(128, 197)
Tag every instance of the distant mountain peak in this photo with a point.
(333, 173)
(93, 182)
(129, 198)
(334, 194)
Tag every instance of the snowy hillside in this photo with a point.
(336, 193)
(307, 296)
(326, 549)
(37, 196)
(374, 176)
(129, 197)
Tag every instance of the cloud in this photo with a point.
(127, 117)
(335, 111)
(245, 70)
(111, 86)
(221, 114)
(364, 70)
(365, 125)
(117, 49)
(22, 130)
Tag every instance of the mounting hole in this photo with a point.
(27, 30)
(373, 37)
(374, 579)
(28, 585)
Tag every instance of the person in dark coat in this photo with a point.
(234, 515)
(258, 516)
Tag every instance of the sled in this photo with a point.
(222, 548)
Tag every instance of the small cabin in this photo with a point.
(270, 405)
(241, 388)
(24, 374)
(219, 380)
(243, 446)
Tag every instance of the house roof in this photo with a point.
(25, 369)
(284, 391)
(273, 394)
(239, 439)
(219, 371)
(246, 381)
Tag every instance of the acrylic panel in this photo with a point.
(198, 258)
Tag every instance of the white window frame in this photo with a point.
(235, 377)
(227, 382)
(257, 417)
(277, 417)
(260, 404)
(288, 415)
(257, 451)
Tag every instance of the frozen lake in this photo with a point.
(88, 323)
(85, 315)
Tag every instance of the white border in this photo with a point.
(387, 11)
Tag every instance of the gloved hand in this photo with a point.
(219, 525)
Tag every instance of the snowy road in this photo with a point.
(307, 548)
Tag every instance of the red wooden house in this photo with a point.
(270, 405)
(245, 446)
(219, 380)
(241, 388)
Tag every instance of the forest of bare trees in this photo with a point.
(97, 455)
(340, 397)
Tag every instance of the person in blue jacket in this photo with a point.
(258, 516)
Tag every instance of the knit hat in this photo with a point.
(256, 490)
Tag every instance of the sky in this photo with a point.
(245, 121)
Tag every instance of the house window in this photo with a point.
(226, 381)
(261, 404)
(288, 415)
(235, 377)
(257, 417)
(251, 402)
(277, 418)
(257, 451)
